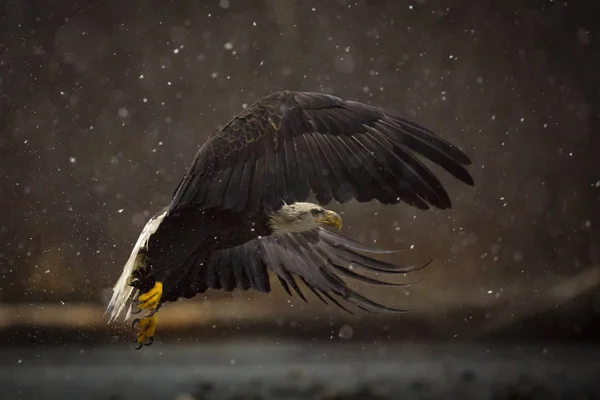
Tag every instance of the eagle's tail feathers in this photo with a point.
(122, 291)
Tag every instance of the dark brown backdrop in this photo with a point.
(103, 105)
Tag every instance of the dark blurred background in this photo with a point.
(104, 104)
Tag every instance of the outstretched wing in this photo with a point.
(290, 143)
(317, 257)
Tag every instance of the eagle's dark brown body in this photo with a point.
(179, 250)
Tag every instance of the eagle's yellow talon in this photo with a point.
(145, 327)
(151, 298)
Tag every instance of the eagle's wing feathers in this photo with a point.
(317, 257)
(290, 143)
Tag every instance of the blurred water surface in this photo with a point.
(292, 370)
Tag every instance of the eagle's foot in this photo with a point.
(145, 327)
(151, 299)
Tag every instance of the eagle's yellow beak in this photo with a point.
(331, 218)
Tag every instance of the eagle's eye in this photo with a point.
(316, 212)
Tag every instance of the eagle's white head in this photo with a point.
(298, 217)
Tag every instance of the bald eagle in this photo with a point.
(240, 212)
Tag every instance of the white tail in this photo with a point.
(122, 290)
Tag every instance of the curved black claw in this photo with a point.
(153, 311)
(148, 342)
(134, 323)
(135, 311)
